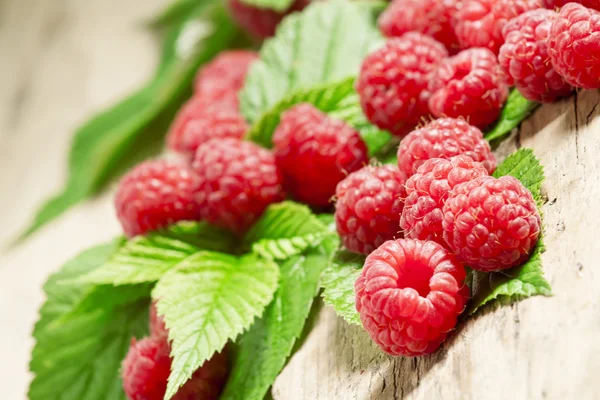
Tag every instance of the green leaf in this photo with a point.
(264, 349)
(326, 42)
(78, 353)
(174, 13)
(338, 281)
(147, 258)
(516, 109)
(122, 135)
(276, 5)
(212, 298)
(527, 279)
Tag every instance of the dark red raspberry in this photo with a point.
(470, 85)
(524, 57)
(491, 224)
(393, 80)
(574, 45)
(479, 23)
(429, 17)
(157, 323)
(409, 295)
(554, 4)
(261, 22)
(427, 191)
(238, 181)
(154, 195)
(315, 152)
(223, 123)
(444, 138)
(225, 74)
(368, 207)
(147, 366)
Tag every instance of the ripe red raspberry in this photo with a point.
(479, 23)
(237, 182)
(554, 4)
(491, 224)
(146, 368)
(429, 17)
(444, 138)
(574, 45)
(393, 80)
(427, 191)
(154, 195)
(157, 323)
(315, 152)
(185, 137)
(225, 74)
(368, 207)
(471, 85)
(524, 57)
(409, 295)
(260, 22)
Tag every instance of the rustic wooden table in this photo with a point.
(64, 59)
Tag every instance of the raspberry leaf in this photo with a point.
(523, 165)
(147, 258)
(276, 5)
(79, 346)
(264, 349)
(516, 109)
(338, 281)
(210, 299)
(130, 131)
(326, 42)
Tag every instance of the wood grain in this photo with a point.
(540, 348)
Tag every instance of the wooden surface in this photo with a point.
(64, 59)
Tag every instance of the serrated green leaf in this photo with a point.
(515, 111)
(276, 5)
(338, 281)
(147, 258)
(78, 353)
(527, 279)
(326, 42)
(133, 129)
(214, 297)
(264, 349)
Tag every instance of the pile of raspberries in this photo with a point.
(442, 76)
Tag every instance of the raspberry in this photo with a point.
(157, 323)
(444, 138)
(409, 295)
(524, 57)
(238, 180)
(393, 80)
(479, 23)
(185, 137)
(491, 224)
(315, 152)
(225, 74)
(574, 45)
(553, 4)
(146, 368)
(260, 22)
(429, 17)
(154, 195)
(368, 207)
(427, 191)
(471, 85)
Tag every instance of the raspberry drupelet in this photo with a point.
(444, 138)
(555, 4)
(427, 191)
(154, 195)
(491, 224)
(409, 295)
(315, 152)
(393, 81)
(368, 207)
(225, 74)
(238, 180)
